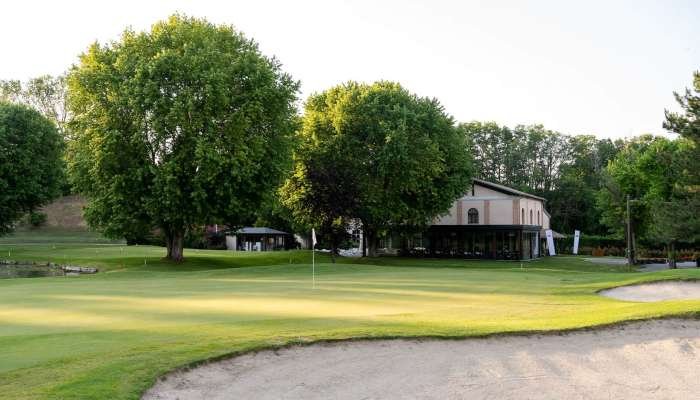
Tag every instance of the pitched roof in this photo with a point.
(254, 230)
(505, 189)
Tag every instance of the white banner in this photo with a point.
(550, 242)
(577, 234)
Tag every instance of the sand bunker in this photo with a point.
(644, 360)
(658, 291)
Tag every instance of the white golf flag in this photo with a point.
(313, 237)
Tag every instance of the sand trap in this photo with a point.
(645, 360)
(658, 291)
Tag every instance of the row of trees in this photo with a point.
(566, 170)
(661, 180)
(587, 181)
(189, 124)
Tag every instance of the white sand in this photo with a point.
(644, 360)
(659, 291)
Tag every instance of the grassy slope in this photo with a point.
(110, 335)
(49, 236)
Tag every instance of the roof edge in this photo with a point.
(505, 189)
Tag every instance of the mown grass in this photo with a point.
(110, 335)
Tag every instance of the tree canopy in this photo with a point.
(566, 170)
(687, 123)
(185, 124)
(46, 94)
(31, 170)
(379, 154)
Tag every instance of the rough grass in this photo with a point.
(110, 335)
(49, 236)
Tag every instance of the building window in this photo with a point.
(530, 217)
(472, 216)
(538, 218)
(522, 216)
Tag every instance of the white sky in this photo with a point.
(602, 67)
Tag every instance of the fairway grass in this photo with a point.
(110, 335)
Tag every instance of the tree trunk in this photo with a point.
(334, 245)
(364, 240)
(175, 241)
(371, 242)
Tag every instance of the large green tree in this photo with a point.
(182, 125)
(379, 154)
(31, 168)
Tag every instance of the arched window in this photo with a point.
(530, 217)
(538, 218)
(522, 216)
(473, 216)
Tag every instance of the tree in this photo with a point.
(566, 170)
(46, 94)
(184, 125)
(654, 172)
(572, 201)
(387, 156)
(687, 124)
(683, 213)
(321, 191)
(30, 162)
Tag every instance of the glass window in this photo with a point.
(473, 216)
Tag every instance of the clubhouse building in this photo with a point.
(489, 221)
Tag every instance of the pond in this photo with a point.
(28, 271)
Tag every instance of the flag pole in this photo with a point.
(313, 258)
(313, 266)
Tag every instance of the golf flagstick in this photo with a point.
(313, 258)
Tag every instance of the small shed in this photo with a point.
(258, 239)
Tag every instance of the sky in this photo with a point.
(607, 68)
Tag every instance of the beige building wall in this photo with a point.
(501, 212)
(545, 221)
(495, 208)
(529, 206)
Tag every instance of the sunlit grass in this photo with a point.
(108, 336)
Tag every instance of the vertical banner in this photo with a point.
(577, 234)
(550, 242)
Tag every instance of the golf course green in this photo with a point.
(112, 334)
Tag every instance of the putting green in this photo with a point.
(112, 334)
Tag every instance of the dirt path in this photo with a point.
(645, 360)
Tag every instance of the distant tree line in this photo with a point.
(189, 124)
(566, 170)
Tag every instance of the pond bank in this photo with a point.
(30, 269)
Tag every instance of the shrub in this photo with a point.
(37, 219)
